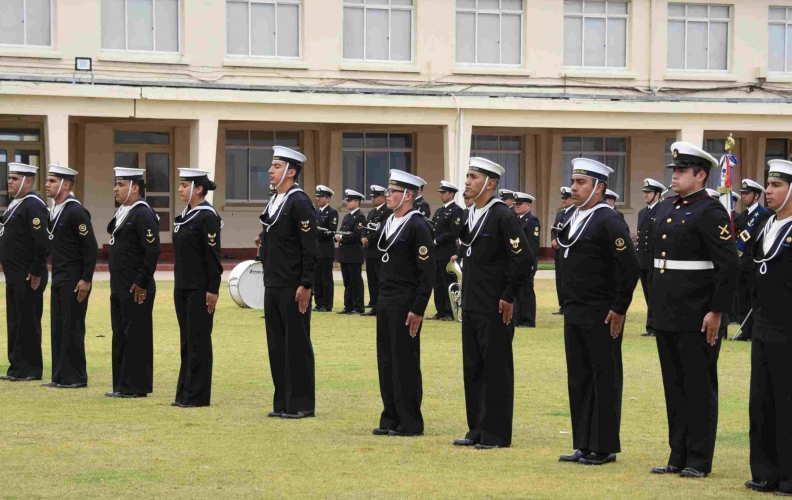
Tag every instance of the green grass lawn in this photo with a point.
(80, 444)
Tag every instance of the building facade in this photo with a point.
(364, 86)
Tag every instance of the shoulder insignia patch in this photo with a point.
(515, 243)
(150, 238)
(335, 220)
(36, 221)
(458, 221)
(306, 226)
(423, 253)
(83, 229)
(620, 244)
(536, 231)
(212, 237)
(724, 233)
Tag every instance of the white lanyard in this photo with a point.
(7, 216)
(482, 219)
(280, 209)
(779, 239)
(407, 216)
(582, 229)
(177, 225)
(120, 222)
(58, 215)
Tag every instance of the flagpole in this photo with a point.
(727, 162)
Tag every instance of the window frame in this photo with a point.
(686, 19)
(389, 8)
(606, 16)
(298, 3)
(300, 148)
(476, 11)
(624, 199)
(13, 147)
(474, 151)
(127, 50)
(787, 24)
(24, 29)
(412, 150)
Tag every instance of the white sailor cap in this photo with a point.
(688, 155)
(350, 194)
(713, 193)
(505, 194)
(62, 172)
(780, 169)
(190, 174)
(749, 185)
(422, 182)
(521, 197)
(322, 190)
(566, 192)
(22, 169)
(591, 168)
(611, 194)
(377, 190)
(735, 196)
(486, 167)
(651, 185)
(280, 153)
(447, 187)
(124, 173)
(405, 180)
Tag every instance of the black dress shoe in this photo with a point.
(488, 446)
(175, 403)
(464, 442)
(448, 318)
(274, 414)
(8, 377)
(558, 313)
(380, 431)
(761, 486)
(49, 384)
(25, 379)
(320, 310)
(355, 313)
(182, 405)
(667, 469)
(574, 457)
(693, 473)
(647, 334)
(741, 338)
(598, 459)
(343, 311)
(436, 317)
(373, 312)
(123, 395)
(299, 414)
(394, 432)
(783, 493)
(81, 385)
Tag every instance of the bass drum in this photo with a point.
(246, 285)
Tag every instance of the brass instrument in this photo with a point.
(455, 289)
(373, 226)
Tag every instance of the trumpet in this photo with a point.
(373, 226)
(455, 289)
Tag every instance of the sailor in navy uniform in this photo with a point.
(197, 273)
(611, 197)
(599, 274)
(525, 310)
(652, 194)
(289, 258)
(771, 350)
(420, 204)
(746, 227)
(408, 272)
(350, 253)
(134, 251)
(24, 248)
(74, 252)
(695, 271)
(375, 221)
(507, 197)
(562, 218)
(327, 219)
(447, 222)
(496, 261)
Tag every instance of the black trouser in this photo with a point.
(646, 284)
(558, 259)
(443, 280)
(353, 286)
(23, 319)
(690, 379)
(771, 413)
(525, 310)
(290, 350)
(133, 343)
(743, 304)
(595, 379)
(399, 367)
(373, 265)
(323, 287)
(488, 366)
(67, 326)
(195, 335)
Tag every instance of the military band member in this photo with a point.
(420, 204)
(525, 310)
(652, 195)
(746, 226)
(691, 293)
(375, 219)
(197, 273)
(599, 274)
(447, 220)
(289, 258)
(350, 254)
(611, 198)
(507, 197)
(496, 260)
(408, 272)
(771, 350)
(24, 248)
(562, 218)
(74, 252)
(134, 251)
(327, 219)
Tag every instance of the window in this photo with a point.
(595, 34)
(263, 28)
(22, 146)
(780, 39)
(368, 157)
(141, 25)
(612, 151)
(26, 22)
(506, 151)
(248, 160)
(775, 149)
(380, 30)
(698, 37)
(489, 31)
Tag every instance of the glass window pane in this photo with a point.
(352, 175)
(260, 163)
(237, 137)
(353, 140)
(167, 29)
(776, 148)
(3, 173)
(402, 3)
(11, 22)
(573, 6)
(377, 140)
(376, 2)
(511, 163)
(113, 25)
(465, 37)
(158, 201)
(719, 12)
(573, 41)
(699, 11)
(571, 144)
(617, 43)
(127, 137)
(487, 40)
(4, 199)
(615, 144)
(592, 143)
(126, 159)
(288, 31)
(676, 10)
(510, 142)
(158, 172)
(399, 161)
(466, 4)
(20, 135)
(236, 174)
(262, 29)
(376, 169)
(262, 138)
(511, 39)
(237, 28)
(488, 4)
(594, 7)
(511, 4)
(37, 21)
(288, 139)
(594, 50)
(487, 142)
(377, 34)
(789, 47)
(140, 23)
(617, 8)
(696, 45)
(30, 157)
(164, 221)
(777, 13)
(401, 37)
(353, 33)
(401, 141)
(676, 45)
(718, 45)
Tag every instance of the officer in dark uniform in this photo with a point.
(561, 219)
(134, 251)
(420, 204)
(24, 248)
(507, 197)
(599, 275)
(350, 254)
(496, 261)
(611, 198)
(408, 272)
(746, 227)
(447, 223)
(74, 253)
(771, 386)
(374, 222)
(326, 224)
(197, 272)
(696, 268)
(525, 307)
(289, 257)
(652, 195)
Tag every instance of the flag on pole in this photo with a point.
(727, 162)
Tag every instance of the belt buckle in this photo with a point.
(663, 264)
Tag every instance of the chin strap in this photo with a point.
(129, 192)
(786, 200)
(596, 183)
(21, 185)
(192, 188)
(482, 188)
(56, 194)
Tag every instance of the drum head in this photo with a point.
(246, 284)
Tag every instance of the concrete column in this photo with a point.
(691, 134)
(57, 142)
(203, 147)
(456, 143)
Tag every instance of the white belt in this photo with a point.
(684, 265)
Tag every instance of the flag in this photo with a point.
(727, 162)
